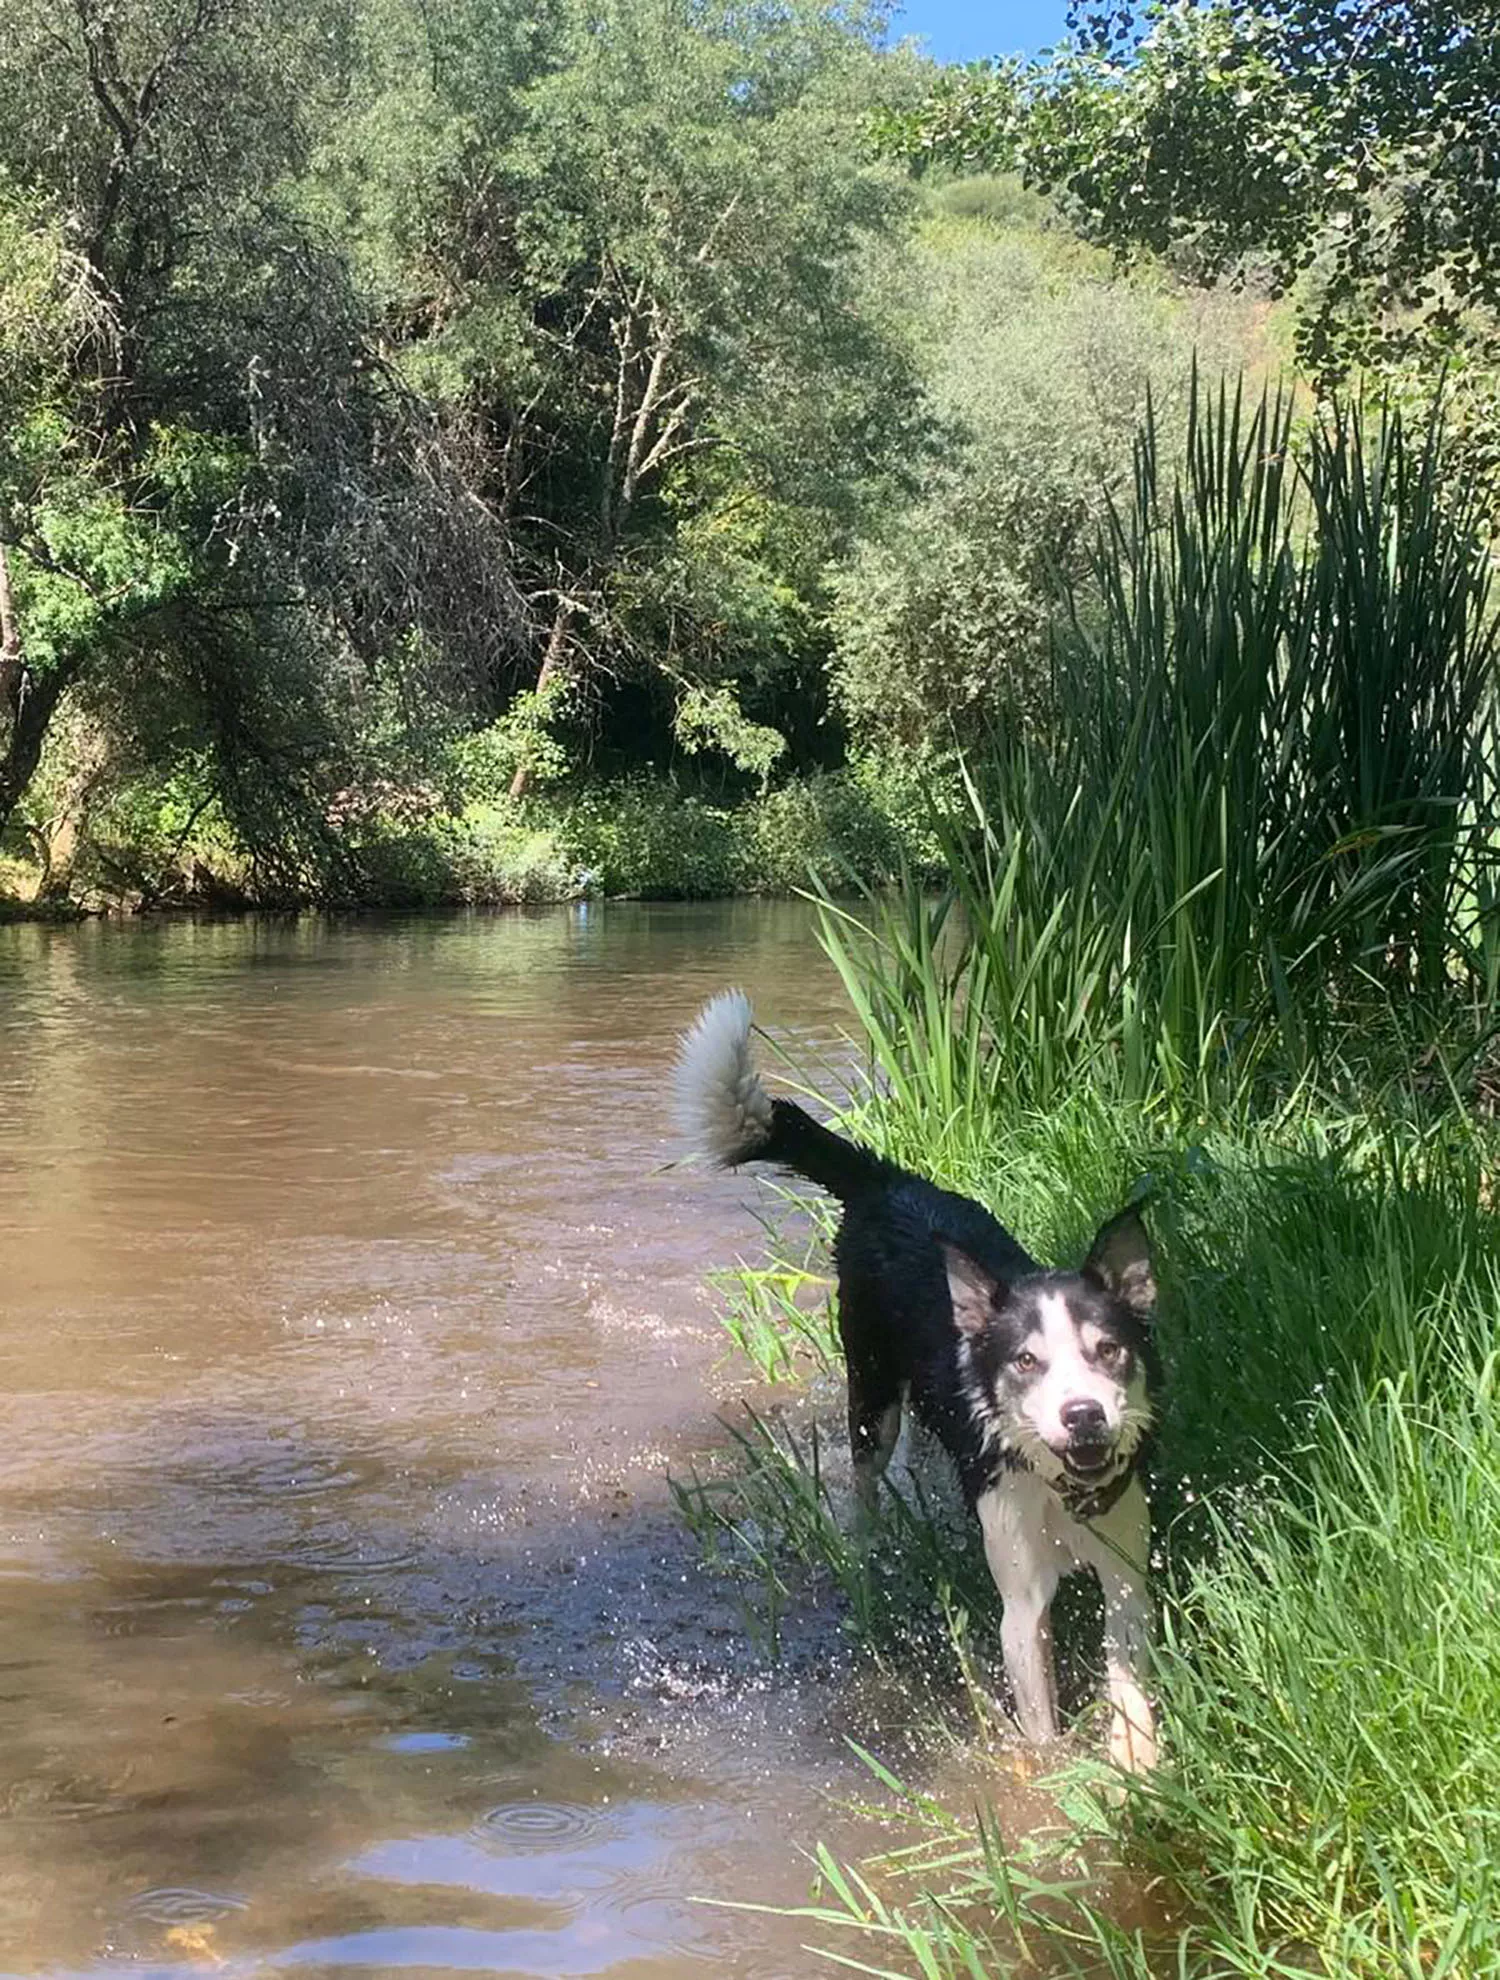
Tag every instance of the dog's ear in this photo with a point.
(974, 1293)
(1121, 1262)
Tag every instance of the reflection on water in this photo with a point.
(348, 1321)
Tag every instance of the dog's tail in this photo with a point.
(730, 1117)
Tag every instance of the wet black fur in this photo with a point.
(895, 1310)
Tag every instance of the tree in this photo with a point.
(399, 359)
(225, 523)
(632, 259)
(1352, 145)
(1041, 365)
(51, 322)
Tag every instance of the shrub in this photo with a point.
(1041, 364)
(649, 838)
(825, 827)
(507, 854)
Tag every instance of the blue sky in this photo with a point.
(963, 30)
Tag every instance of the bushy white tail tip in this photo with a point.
(721, 1105)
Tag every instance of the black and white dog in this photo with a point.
(1037, 1383)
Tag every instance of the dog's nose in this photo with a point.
(1083, 1419)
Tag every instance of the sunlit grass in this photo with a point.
(778, 1312)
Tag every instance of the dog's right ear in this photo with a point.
(974, 1293)
(1121, 1262)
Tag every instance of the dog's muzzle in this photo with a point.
(1091, 1443)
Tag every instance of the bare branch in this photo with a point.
(710, 240)
(667, 446)
(10, 640)
(646, 411)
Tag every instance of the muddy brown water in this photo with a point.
(349, 1326)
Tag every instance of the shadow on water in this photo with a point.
(349, 1321)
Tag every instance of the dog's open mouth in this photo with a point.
(1088, 1460)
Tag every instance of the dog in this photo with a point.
(1039, 1384)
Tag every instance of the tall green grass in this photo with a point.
(1224, 930)
(1259, 819)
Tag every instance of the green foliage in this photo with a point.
(48, 312)
(459, 840)
(1040, 367)
(229, 540)
(511, 858)
(577, 342)
(484, 761)
(630, 246)
(827, 828)
(99, 554)
(778, 1313)
(489, 325)
(912, 790)
(999, 198)
(493, 855)
(637, 838)
(1341, 142)
(1351, 1728)
(156, 840)
(727, 598)
(713, 719)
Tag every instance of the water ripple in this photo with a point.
(184, 1906)
(539, 1825)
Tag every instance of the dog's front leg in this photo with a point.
(1025, 1573)
(1026, 1633)
(1127, 1630)
(1120, 1562)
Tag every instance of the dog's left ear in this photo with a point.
(1121, 1261)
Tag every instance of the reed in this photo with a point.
(1254, 845)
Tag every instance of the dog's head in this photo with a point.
(1057, 1364)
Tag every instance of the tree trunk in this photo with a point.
(557, 640)
(10, 633)
(27, 704)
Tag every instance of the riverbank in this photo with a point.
(646, 838)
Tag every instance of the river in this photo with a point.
(351, 1319)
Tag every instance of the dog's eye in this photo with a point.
(1108, 1351)
(1026, 1361)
